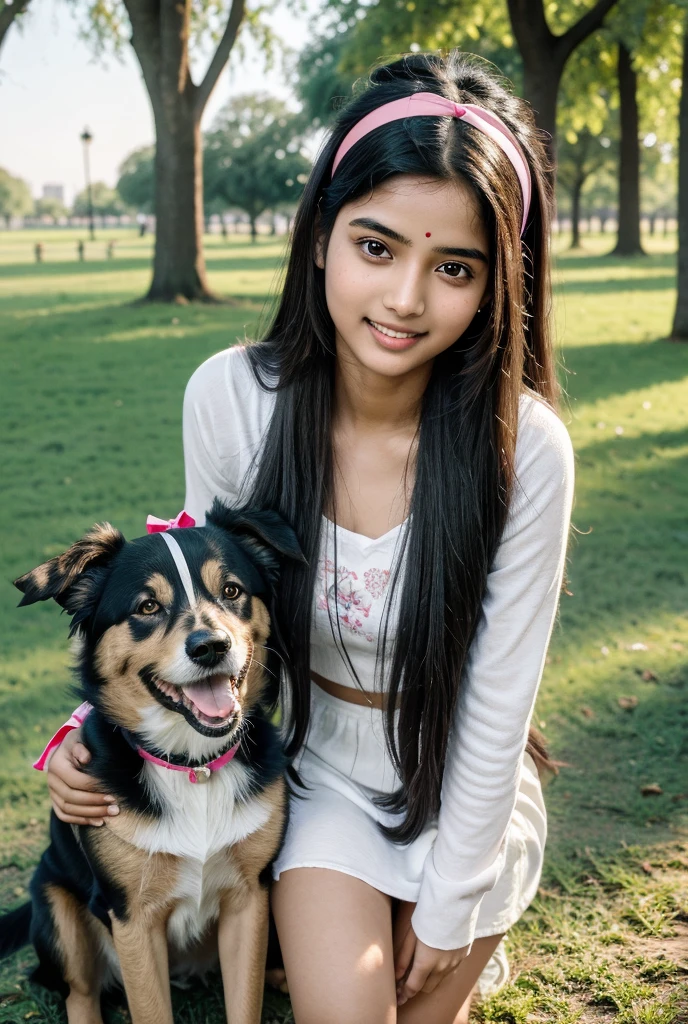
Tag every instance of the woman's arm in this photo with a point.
(494, 708)
(72, 792)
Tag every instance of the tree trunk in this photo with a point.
(541, 88)
(576, 212)
(628, 241)
(254, 230)
(544, 56)
(179, 271)
(160, 39)
(679, 331)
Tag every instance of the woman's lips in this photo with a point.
(394, 344)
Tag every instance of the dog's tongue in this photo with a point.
(212, 696)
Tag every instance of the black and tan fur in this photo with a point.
(176, 881)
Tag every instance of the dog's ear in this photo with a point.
(62, 578)
(262, 531)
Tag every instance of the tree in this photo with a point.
(15, 197)
(545, 54)
(49, 207)
(580, 156)
(628, 240)
(136, 183)
(9, 12)
(161, 35)
(586, 126)
(679, 330)
(253, 159)
(106, 201)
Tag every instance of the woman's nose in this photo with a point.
(405, 294)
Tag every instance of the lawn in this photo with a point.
(91, 402)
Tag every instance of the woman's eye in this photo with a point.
(231, 591)
(375, 248)
(148, 607)
(457, 270)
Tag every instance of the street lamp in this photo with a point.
(87, 138)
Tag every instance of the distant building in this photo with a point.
(54, 192)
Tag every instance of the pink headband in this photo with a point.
(430, 103)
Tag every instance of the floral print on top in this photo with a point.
(340, 588)
(350, 599)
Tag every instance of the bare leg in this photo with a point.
(243, 941)
(336, 937)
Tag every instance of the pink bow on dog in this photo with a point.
(180, 522)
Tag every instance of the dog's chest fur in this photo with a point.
(199, 820)
(198, 826)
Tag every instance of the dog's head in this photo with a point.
(172, 626)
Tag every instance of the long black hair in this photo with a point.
(469, 412)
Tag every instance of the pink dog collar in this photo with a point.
(431, 104)
(200, 774)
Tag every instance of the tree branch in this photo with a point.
(7, 15)
(220, 57)
(585, 26)
(145, 41)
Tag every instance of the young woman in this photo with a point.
(400, 415)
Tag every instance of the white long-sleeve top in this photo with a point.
(226, 414)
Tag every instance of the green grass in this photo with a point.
(91, 397)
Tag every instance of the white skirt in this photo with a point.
(334, 822)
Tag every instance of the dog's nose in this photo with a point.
(207, 647)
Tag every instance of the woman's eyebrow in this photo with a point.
(374, 225)
(443, 250)
(468, 254)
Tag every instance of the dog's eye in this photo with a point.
(148, 607)
(231, 591)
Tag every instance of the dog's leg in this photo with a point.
(243, 942)
(141, 945)
(78, 953)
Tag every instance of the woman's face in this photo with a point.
(411, 259)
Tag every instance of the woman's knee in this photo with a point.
(336, 937)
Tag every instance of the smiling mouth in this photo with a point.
(393, 334)
(210, 705)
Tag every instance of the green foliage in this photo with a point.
(320, 83)
(49, 207)
(105, 26)
(136, 183)
(252, 158)
(15, 196)
(106, 202)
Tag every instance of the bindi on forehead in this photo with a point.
(428, 234)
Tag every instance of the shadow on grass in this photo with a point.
(615, 368)
(610, 755)
(571, 262)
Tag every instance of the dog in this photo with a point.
(171, 635)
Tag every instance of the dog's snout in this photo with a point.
(207, 647)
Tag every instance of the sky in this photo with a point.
(52, 86)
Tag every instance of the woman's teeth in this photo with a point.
(391, 334)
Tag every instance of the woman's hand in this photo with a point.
(417, 967)
(72, 791)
